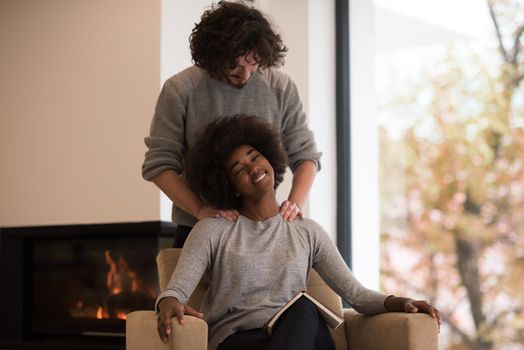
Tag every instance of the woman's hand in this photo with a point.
(290, 210)
(399, 304)
(209, 212)
(170, 307)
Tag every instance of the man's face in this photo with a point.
(246, 65)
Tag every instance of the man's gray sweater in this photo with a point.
(254, 268)
(191, 99)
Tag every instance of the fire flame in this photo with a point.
(120, 279)
(100, 313)
(121, 315)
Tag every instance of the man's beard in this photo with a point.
(237, 83)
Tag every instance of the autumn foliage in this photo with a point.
(452, 188)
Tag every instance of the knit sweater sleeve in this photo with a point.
(330, 265)
(166, 141)
(193, 262)
(298, 138)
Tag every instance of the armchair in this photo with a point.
(392, 331)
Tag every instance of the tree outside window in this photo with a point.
(451, 133)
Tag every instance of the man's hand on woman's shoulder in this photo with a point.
(290, 210)
(210, 212)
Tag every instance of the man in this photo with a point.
(235, 52)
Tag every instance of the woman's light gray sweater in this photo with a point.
(191, 99)
(254, 268)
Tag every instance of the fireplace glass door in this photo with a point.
(86, 286)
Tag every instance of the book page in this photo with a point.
(332, 319)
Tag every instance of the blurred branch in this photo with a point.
(513, 58)
(502, 49)
(467, 264)
(516, 45)
(516, 51)
(518, 79)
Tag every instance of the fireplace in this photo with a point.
(70, 287)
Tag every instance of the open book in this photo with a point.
(332, 319)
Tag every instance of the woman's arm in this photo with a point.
(331, 266)
(328, 262)
(193, 262)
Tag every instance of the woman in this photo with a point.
(257, 263)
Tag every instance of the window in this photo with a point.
(442, 110)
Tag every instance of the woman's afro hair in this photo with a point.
(205, 171)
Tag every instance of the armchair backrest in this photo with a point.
(166, 261)
(168, 258)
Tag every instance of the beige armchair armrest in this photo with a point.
(141, 333)
(392, 331)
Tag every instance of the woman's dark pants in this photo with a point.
(301, 327)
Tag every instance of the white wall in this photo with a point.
(79, 83)
(308, 29)
(322, 100)
(290, 19)
(178, 20)
(364, 146)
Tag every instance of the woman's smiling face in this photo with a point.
(249, 172)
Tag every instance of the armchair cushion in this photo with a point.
(141, 333)
(392, 331)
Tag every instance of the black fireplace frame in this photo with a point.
(15, 248)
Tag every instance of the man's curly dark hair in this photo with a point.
(205, 171)
(230, 30)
